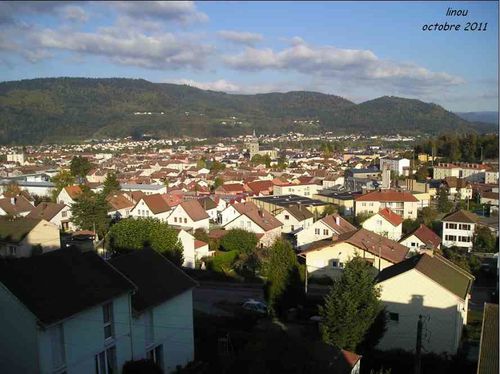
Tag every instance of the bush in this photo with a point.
(222, 261)
(141, 367)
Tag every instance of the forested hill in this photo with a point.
(68, 109)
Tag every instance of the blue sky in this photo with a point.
(358, 50)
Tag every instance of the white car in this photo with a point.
(255, 306)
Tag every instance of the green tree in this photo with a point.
(444, 205)
(12, 189)
(217, 166)
(80, 166)
(484, 240)
(329, 209)
(135, 234)
(409, 225)
(201, 163)
(239, 240)
(283, 287)
(91, 211)
(351, 306)
(427, 215)
(62, 179)
(422, 173)
(218, 181)
(111, 184)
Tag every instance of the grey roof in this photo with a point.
(136, 186)
(286, 200)
(488, 348)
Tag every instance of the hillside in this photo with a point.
(485, 117)
(67, 109)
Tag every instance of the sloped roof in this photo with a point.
(462, 216)
(61, 283)
(156, 203)
(73, 191)
(387, 195)
(300, 213)
(21, 205)
(393, 218)
(426, 235)
(14, 230)
(207, 203)
(437, 268)
(46, 210)
(118, 201)
(194, 209)
(488, 347)
(157, 279)
(260, 186)
(245, 207)
(199, 243)
(263, 218)
(343, 226)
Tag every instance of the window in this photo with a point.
(316, 231)
(148, 324)
(452, 226)
(451, 238)
(57, 346)
(64, 214)
(394, 317)
(287, 217)
(326, 231)
(156, 355)
(292, 227)
(175, 219)
(379, 222)
(12, 250)
(185, 220)
(107, 314)
(464, 227)
(410, 212)
(105, 362)
(336, 264)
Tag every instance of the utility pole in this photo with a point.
(419, 345)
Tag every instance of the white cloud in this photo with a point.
(129, 48)
(74, 13)
(344, 64)
(247, 38)
(181, 11)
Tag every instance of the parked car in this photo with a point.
(255, 306)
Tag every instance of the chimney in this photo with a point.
(13, 200)
(261, 213)
(337, 220)
(428, 251)
(335, 237)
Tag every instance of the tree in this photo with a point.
(409, 225)
(111, 184)
(427, 215)
(12, 189)
(239, 240)
(329, 209)
(62, 179)
(283, 288)
(484, 240)
(80, 166)
(444, 204)
(201, 163)
(218, 181)
(351, 306)
(135, 234)
(217, 166)
(422, 173)
(90, 212)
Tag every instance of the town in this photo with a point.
(189, 255)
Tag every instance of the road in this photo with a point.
(209, 294)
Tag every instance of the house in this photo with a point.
(300, 189)
(192, 249)
(294, 217)
(397, 165)
(458, 188)
(19, 236)
(15, 206)
(324, 228)
(152, 206)
(471, 172)
(234, 210)
(58, 214)
(420, 239)
(120, 205)
(488, 346)
(230, 189)
(63, 311)
(147, 189)
(260, 222)
(491, 199)
(69, 195)
(430, 288)
(210, 206)
(459, 228)
(327, 257)
(162, 309)
(400, 202)
(189, 214)
(260, 187)
(385, 223)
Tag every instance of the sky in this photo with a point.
(357, 50)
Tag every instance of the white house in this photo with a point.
(302, 189)
(385, 223)
(459, 228)
(430, 288)
(328, 257)
(58, 318)
(189, 214)
(325, 228)
(15, 206)
(120, 204)
(193, 249)
(260, 222)
(395, 164)
(68, 195)
(400, 202)
(151, 206)
(18, 236)
(148, 189)
(58, 214)
(162, 319)
(420, 239)
(294, 218)
(210, 206)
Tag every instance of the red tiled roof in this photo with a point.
(245, 207)
(387, 195)
(350, 357)
(156, 203)
(389, 249)
(264, 219)
(393, 218)
(342, 227)
(73, 191)
(199, 244)
(194, 209)
(427, 236)
(257, 187)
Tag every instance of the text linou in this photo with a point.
(441, 27)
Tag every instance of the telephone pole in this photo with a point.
(419, 345)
